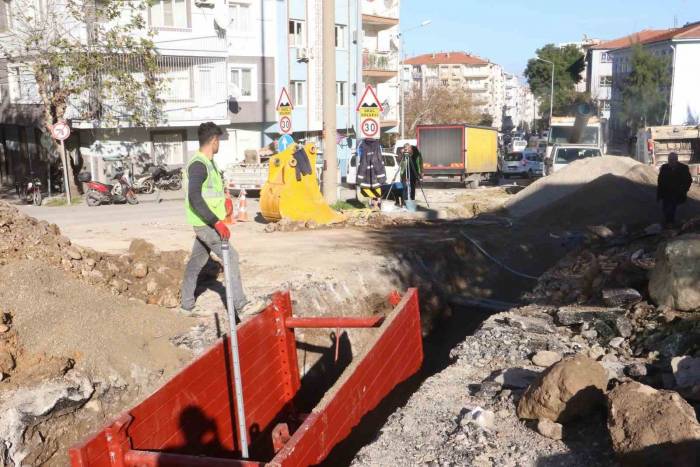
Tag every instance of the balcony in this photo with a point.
(382, 65)
(383, 13)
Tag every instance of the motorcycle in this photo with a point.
(101, 193)
(167, 179)
(30, 190)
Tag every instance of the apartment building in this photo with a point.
(496, 92)
(599, 68)
(380, 49)
(681, 47)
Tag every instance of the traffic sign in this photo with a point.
(369, 106)
(285, 125)
(283, 142)
(369, 127)
(60, 131)
(284, 104)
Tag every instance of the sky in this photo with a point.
(508, 32)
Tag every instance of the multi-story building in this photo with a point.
(583, 45)
(599, 68)
(461, 70)
(681, 47)
(380, 48)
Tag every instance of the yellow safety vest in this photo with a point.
(212, 191)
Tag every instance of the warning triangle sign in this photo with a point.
(284, 103)
(369, 100)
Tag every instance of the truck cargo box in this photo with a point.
(465, 151)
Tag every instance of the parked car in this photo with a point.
(563, 155)
(518, 145)
(391, 164)
(526, 163)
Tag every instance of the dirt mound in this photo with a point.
(576, 175)
(592, 191)
(143, 273)
(56, 316)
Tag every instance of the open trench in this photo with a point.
(453, 277)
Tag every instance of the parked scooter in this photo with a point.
(30, 190)
(100, 193)
(167, 179)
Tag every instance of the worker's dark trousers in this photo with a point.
(208, 240)
(669, 207)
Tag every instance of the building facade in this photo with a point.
(599, 68)
(226, 61)
(681, 48)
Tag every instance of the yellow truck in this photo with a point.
(465, 152)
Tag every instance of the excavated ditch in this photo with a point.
(459, 288)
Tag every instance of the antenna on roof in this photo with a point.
(675, 21)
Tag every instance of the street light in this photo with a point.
(403, 57)
(551, 94)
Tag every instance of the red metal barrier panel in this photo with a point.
(193, 413)
(395, 353)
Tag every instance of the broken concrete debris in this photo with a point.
(675, 281)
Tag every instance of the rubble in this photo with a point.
(546, 358)
(675, 281)
(550, 429)
(652, 427)
(686, 371)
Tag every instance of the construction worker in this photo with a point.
(673, 185)
(411, 162)
(206, 207)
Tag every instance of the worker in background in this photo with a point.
(411, 163)
(206, 207)
(371, 173)
(673, 185)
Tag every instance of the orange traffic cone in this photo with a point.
(229, 217)
(242, 215)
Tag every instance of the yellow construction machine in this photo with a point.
(292, 191)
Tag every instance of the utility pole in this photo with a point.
(330, 172)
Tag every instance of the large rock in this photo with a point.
(675, 281)
(686, 371)
(568, 389)
(650, 427)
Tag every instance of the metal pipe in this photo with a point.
(337, 322)
(235, 362)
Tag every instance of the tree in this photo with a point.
(569, 63)
(89, 59)
(439, 105)
(645, 91)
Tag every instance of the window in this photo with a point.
(239, 14)
(242, 79)
(5, 15)
(207, 89)
(340, 36)
(170, 14)
(168, 148)
(606, 81)
(296, 34)
(178, 84)
(14, 78)
(341, 93)
(605, 58)
(298, 93)
(605, 106)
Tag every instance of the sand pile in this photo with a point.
(601, 190)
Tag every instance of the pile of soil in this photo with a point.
(355, 218)
(143, 273)
(592, 191)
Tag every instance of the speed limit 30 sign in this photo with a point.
(285, 125)
(369, 127)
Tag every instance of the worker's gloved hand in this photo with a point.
(222, 230)
(229, 206)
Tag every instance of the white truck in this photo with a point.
(563, 131)
(250, 174)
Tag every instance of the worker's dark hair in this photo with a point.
(207, 131)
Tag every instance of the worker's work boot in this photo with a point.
(195, 312)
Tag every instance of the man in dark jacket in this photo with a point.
(674, 183)
(411, 162)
